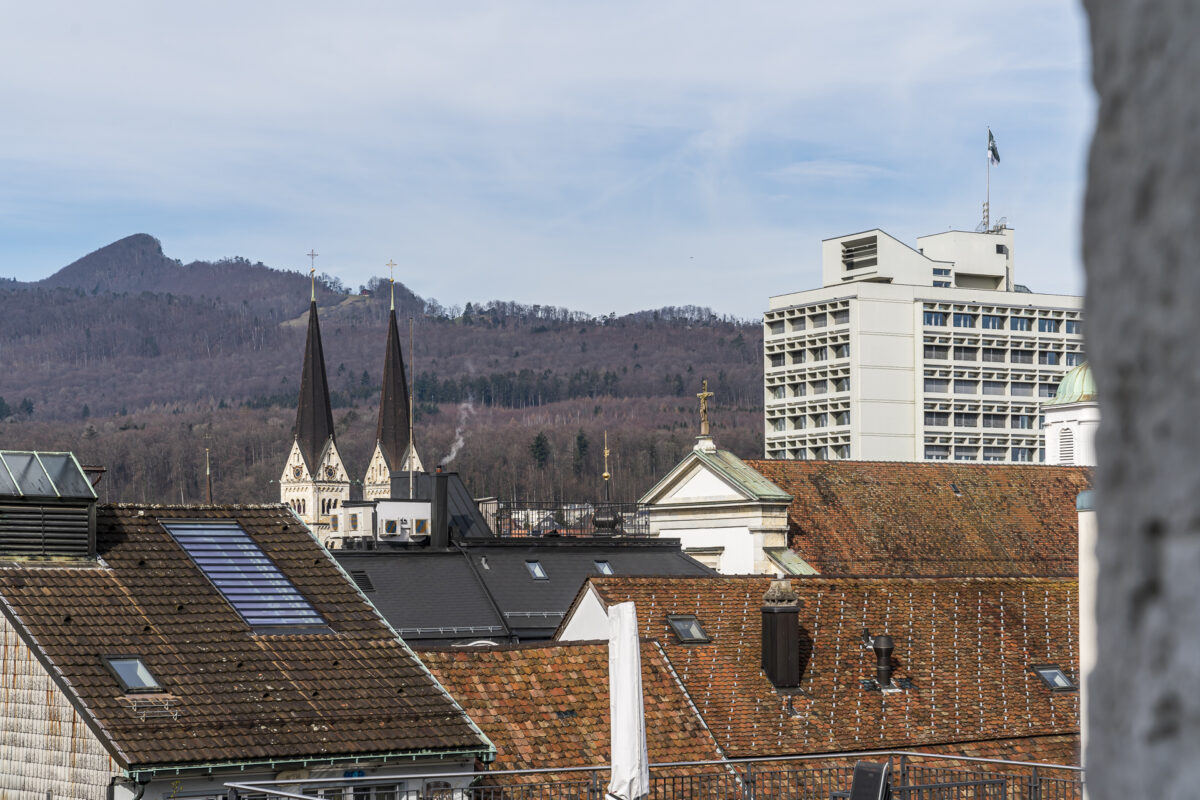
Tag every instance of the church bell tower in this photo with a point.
(314, 481)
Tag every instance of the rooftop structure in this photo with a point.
(1072, 418)
(207, 641)
(985, 666)
(907, 355)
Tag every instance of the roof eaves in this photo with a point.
(743, 477)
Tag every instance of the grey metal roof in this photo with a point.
(426, 595)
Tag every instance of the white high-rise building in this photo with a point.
(909, 355)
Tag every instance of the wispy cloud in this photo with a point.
(509, 149)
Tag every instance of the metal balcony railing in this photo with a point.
(537, 518)
(915, 776)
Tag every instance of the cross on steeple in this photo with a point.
(312, 271)
(391, 265)
(703, 396)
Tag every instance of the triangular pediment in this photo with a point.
(694, 481)
(295, 470)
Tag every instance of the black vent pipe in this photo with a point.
(439, 536)
(883, 647)
(781, 635)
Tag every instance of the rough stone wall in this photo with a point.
(45, 747)
(1142, 255)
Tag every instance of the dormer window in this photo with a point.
(687, 628)
(132, 674)
(1055, 679)
(537, 571)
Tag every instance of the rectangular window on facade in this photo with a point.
(937, 452)
(1073, 359)
(1048, 357)
(941, 284)
(965, 453)
(798, 324)
(1074, 326)
(966, 353)
(841, 451)
(799, 389)
(993, 453)
(777, 359)
(993, 387)
(1022, 421)
(841, 316)
(937, 385)
(1048, 326)
(841, 385)
(820, 387)
(818, 320)
(1047, 390)
(841, 418)
(1021, 356)
(799, 423)
(817, 353)
(1021, 389)
(841, 351)
(778, 425)
(935, 318)
(937, 419)
(775, 328)
(992, 322)
(994, 354)
(1020, 324)
(964, 320)
(354, 522)
(937, 351)
(1022, 454)
(963, 419)
(966, 387)
(819, 420)
(820, 453)
(995, 420)
(941, 270)
(778, 392)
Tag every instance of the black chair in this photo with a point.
(871, 782)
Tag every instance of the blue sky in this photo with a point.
(602, 156)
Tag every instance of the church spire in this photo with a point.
(392, 432)
(314, 415)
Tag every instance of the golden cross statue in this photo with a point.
(703, 396)
(312, 271)
(606, 475)
(391, 265)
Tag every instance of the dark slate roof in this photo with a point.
(903, 518)
(427, 596)
(392, 430)
(232, 694)
(965, 644)
(466, 520)
(314, 414)
(546, 705)
(534, 608)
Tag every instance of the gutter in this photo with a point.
(148, 773)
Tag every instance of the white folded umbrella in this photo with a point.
(630, 763)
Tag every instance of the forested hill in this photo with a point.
(126, 338)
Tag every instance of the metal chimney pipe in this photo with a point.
(439, 536)
(883, 647)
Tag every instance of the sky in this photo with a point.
(609, 156)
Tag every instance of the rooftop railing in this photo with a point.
(914, 776)
(537, 518)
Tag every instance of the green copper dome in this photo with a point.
(1077, 386)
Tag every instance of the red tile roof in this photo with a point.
(233, 694)
(546, 705)
(904, 518)
(965, 644)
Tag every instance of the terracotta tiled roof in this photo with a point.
(238, 695)
(903, 518)
(546, 705)
(965, 644)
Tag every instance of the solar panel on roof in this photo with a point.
(244, 574)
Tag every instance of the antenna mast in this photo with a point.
(412, 383)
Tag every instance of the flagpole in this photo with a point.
(987, 200)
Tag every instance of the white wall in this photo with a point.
(738, 557)
(588, 621)
(1083, 420)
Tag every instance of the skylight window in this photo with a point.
(1055, 679)
(604, 568)
(687, 628)
(132, 674)
(537, 570)
(243, 574)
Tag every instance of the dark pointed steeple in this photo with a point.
(314, 415)
(393, 430)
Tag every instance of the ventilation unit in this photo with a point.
(47, 506)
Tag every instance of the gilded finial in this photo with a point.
(391, 265)
(606, 475)
(312, 271)
(703, 396)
